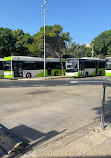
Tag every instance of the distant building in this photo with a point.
(87, 45)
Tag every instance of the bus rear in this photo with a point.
(72, 67)
(108, 67)
(8, 73)
(1, 68)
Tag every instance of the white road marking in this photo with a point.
(84, 81)
(74, 81)
(62, 85)
(38, 85)
(15, 86)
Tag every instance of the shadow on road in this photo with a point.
(107, 110)
(30, 138)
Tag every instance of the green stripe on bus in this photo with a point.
(107, 74)
(2, 76)
(101, 70)
(59, 71)
(8, 58)
(40, 75)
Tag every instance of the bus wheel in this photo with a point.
(86, 74)
(55, 73)
(28, 75)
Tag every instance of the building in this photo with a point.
(87, 45)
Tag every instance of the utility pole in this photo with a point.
(43, 6)
(92, 50)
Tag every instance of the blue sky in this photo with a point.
(83, 19)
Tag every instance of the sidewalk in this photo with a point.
(42, 78)
(84, 143)
(55, 77)
(33, 78)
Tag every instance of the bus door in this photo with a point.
(82, 67)
(18, 69)
(49, 71)
(48, 67)
(97, 65)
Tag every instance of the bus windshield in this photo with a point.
(71, 65)
(108, 65)
(7, 65)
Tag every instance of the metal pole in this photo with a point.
(103, 104)
(92, 50)
(44, 44)
(43, 6)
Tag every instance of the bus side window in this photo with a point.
(57, 66)
(33, 66)
(26, 66)
(39, 65)
(89, 64)
(102, 65)
(1, 65)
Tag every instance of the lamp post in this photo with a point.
(43, 6)
(92, 49)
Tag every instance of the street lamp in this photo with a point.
(92, 49)
(43, 6)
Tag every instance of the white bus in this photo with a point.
(1, 68)
(76, 67)
(22, 66)
(108, 67)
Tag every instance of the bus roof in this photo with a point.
(108, 58)
(1, 59)
(87, 59)
(21, 58)
(27, 58)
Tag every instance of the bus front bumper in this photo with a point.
(107, 72)
(72, 74)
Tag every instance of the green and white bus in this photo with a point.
(1, 68)
(108, 67)
(22, 66)
(76, 67)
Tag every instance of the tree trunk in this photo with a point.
(62, 67)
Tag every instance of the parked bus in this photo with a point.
(76, 67)
(21, 66)
(108, 67)
(1, 68)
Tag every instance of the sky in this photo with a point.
(83, 19)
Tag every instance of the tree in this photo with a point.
(22, 41)
(102, 44)
(14, 42)
(56, 42)
(36, 48)
(6, 42)
(78, 51)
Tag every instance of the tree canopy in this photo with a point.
(102, 44)
(6, 42)
(14, 42)
(58, 43)
(78, 51)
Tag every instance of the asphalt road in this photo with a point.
(50, 82)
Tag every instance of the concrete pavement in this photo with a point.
(84, 143)
(57, 121)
